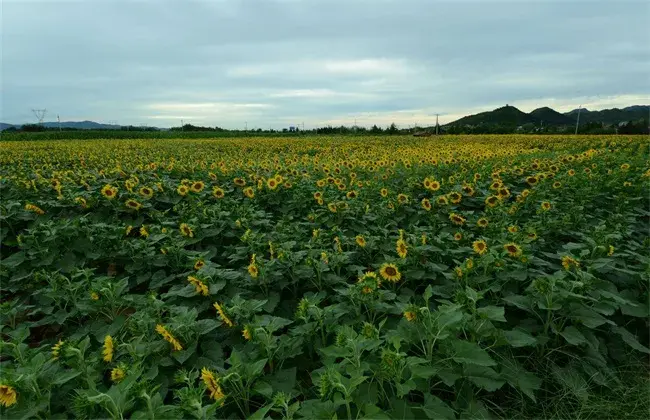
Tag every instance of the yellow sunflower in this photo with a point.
(401, 248)
(197, 186)
(513, 249)
(109, 191)
(360, 240)
(146, 192)
(457, 219)
(186, 230)
(390, 272)
(248, 192)
(217, 192)
(426, 204)
(480, 247)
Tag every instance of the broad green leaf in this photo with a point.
(519, 338)
(630, 340)
(14, 260)
(483, 377)
(573, 336)
(494, 313)
(467, 352)
(435, 408)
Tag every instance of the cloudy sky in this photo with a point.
(274, 63)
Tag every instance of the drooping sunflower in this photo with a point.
(240, 182)
(390, 272)
(480, 247)
(107, 351)
(249, 192)
(351, 194)
(360, 240)
(532, 180)
(247, 333)
(457, 219)
(109, 191)
(8, 395)
(513, 249)
(167, 336)
(212, 384)
(199, 285)
(402, 198)
(132, 204)
(56, 349)
(426, 204)
(401, 248)
(199, 264)
(568, 262)
(222, 315)
(186, 230)
(331, 207)
(410, 316)
(442, 200)
(253, 270)
(513, 229)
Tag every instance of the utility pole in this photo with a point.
(182, 125)
(437, 124)
(246, 126)
(578, 119)
(59, 120)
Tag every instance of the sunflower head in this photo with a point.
(390, 272)
(480, 247)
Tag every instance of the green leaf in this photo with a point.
(573, 336)
(521, 302)
(14, 260)
(261, 413)
(520, 378)
(589, 317)
(63, 378)
(495, 313)
(435, 408)
(467, 352)
(519, 338)
(483, 377)
(631, 340)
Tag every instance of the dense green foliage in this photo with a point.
(442, 278)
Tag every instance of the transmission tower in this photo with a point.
(40, 114)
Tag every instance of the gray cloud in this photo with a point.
(272, 63)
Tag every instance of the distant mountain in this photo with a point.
(510, 116)
(549, 116)
(79, 125)
(507, 115)
(612, 116)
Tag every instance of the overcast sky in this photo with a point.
(274, 63)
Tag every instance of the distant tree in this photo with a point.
(376, 130)
(392, 129)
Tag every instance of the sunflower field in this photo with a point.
(325, 277)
